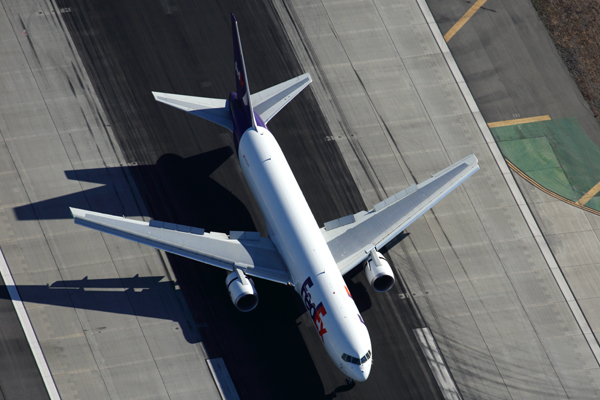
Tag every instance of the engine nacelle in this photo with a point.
(379, 273)
(242, 291)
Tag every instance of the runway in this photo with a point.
(378, 122)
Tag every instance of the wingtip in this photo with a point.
(77, 212)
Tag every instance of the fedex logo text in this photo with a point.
(238, 74)
(316, 312)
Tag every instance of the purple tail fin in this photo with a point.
(241, 80)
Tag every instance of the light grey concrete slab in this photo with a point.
(81, 385)
(418, 134)
(14, 194)
(553, 320)
(485, 295)
(584, 280)
(126, 379)
(497, 332)
(515, 361)
(162, 342)
(457, 131)
(28, 256)
(560, 218)
(503, 223)
(581, 384)
(89, 250)
(120, 346)
(413, 40)
(394, 107)
(428, 70)
(438, 99)
(520, 255)
(423, 164)
(367, 45)
(54, 322)
(71, 354)
(433, 265)
(182, 378)
(537, 287)
(569, 353)
(36, 152)
(398, 14)
(469, 359)
(383, 75)
(577, 248)
(445, 306)
(488, 192)
(362, 16)
(453, 228)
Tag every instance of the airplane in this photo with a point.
(296, 252)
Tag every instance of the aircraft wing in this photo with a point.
(256, 255)
(352, 237)
(268, 102)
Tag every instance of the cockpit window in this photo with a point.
(355, 360)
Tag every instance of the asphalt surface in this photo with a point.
(20, 377)
(186, 173)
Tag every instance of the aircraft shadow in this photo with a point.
(185, 181)
(150, 297)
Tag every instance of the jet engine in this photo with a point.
(241, 291)
(379, 273)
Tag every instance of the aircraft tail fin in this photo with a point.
(267, 103)
(241, 80)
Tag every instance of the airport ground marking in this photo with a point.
(32, 339)
(518, 121)
(438, 367)
(463, 20)
(588, 196)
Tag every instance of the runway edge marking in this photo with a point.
(586, 330)
(222, 379)
(436, 363)
(28, 329)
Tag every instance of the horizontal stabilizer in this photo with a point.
(270, 101)
(256, 255)
(213, 110)
(351, 238)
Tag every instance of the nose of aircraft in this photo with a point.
(361, 373)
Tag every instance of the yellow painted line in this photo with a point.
(518, 121)
(588, 196)
(463, 20)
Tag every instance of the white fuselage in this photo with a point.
(294, 231)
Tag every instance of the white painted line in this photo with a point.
(437, 364)
(222, 379)
(28, 329)
(523, 206)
